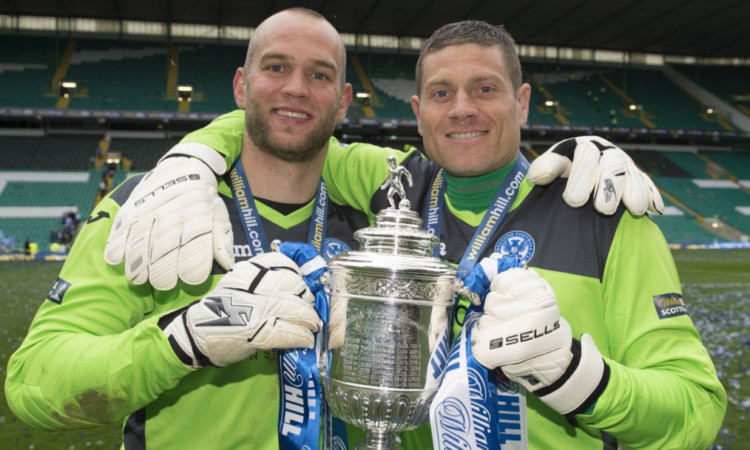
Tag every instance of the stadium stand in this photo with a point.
(210, 70)
(666, 104)
(41, 178)
(584, 95)
(143, 152)
(710, 198)
(697, 182)
(33, 202)
(734, 163)
(106, 72)
(727, 82)
(656, 163)
(45, 153)
(702, 188)
(680, 226)
(390, 76)
(29, 62)
(690, 162)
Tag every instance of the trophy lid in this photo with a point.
(396, 241)
(394, 263)
(397, 231)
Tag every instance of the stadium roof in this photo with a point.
(702, 28)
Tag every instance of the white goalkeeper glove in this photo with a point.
(522, 334)
(594, 164)
(174, 223)
(261, 303)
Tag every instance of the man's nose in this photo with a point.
(463, 107)
(296, 84)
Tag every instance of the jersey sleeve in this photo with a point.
(93, 353)
(663, 390)
(224, 134)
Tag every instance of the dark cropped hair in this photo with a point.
(473, 32)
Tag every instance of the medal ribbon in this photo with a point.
(475, 409)
(251, 223)
(301, 402)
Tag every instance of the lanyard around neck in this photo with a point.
(496, 212)
(256, 237)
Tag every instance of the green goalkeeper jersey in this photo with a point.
(614, 279)
(94, 353)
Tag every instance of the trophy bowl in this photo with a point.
(390, 308)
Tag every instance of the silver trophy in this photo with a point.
(390, 304)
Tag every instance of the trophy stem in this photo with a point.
(378, 441)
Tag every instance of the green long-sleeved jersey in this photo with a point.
(614, 279)
(95, 353)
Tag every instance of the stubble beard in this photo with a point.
(306, 149)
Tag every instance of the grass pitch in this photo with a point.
(25, 285)
(716, 285)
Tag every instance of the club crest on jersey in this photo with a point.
(518, 244)
(58, 291)
(333, 247)
(669, 305)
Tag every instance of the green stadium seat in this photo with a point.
(33, 201)
(734, 163)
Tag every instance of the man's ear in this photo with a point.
(239, 87)
(415, 109)
(346, 100)
(523, 97)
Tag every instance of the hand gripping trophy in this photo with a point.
(390, 304)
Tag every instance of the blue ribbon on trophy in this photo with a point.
(475, 408)
(299, 365)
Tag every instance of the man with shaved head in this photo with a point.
(190, 359)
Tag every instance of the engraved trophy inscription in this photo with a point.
(390, 303)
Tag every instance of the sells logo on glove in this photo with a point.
(609, 190)
(168, 184)
(229, 314)
(524, 336)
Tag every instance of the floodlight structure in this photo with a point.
(363, 97)
(551, 106)
(635, 110)
(184, 93)
(67, 89)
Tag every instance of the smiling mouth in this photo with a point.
(470, 135)
(292, 114)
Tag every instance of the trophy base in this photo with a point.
(381, 412)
